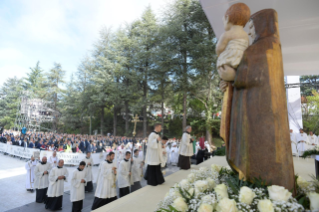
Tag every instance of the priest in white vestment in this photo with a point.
(88, 169)
(137, 171)
(41, 182)
(302, 142)
(186, 150)
(57, 177)
(293, 143)
(174, 154)
(29, 181)
(54, 159)
(78, 182)
(105, 183)
(154, 158)
(313, 140)
(124, 175)
(168, 150)
(165, 153)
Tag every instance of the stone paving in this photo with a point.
(14, 196)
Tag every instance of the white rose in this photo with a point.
(211, 183)
(205, 208)
(191, 177)
(278, 193)
(180, 205)
(302, 183)
(246, 195)
(314, 201)
(184, 184)
(265, 206)
(201, 185)
(216, 167)
(227, 205)
(221, 191)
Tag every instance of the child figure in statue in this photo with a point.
(234, 41)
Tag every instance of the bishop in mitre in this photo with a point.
(105, 183)
(41, 182)
(29, 181)
(78, 182)
(57, 177)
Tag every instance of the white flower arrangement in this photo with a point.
(212, 189)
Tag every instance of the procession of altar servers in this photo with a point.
(301, 142)
(47, 176)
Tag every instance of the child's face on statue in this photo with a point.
(227, 24)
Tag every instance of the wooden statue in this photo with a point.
(259, 140)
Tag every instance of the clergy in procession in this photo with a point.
(154, 158)
(41, 182)
(53, 159)
(313, 140)
(186, 150)
(293, 143)
(29, 181)
(88, 169)
(174, 154)
(137, 171)
(57, 177)
(78, 183)
(105, 182)
(124, 175)
(302, 141)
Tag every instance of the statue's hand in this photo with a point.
(223, 85)
(227, 73)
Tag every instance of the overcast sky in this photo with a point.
(60, 31)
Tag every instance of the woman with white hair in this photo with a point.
(186, 150)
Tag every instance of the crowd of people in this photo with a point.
(127, 161)
(301, 142)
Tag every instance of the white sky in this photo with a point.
(60, 31)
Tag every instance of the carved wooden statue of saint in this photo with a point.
(259, 141)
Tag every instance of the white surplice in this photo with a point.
(123, 174)
(54, 161)
(137, 169)
(29, 181)
(174, 155)
(42, 180)
(186, 146)
(293, 143)
(88, 168)
(77, 188)
(313, 141)
(168, 152)
(106, 181)
(154, 152)
(302, 146)
(56, 186)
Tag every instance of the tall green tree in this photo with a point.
(35, 81)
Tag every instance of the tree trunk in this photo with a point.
(162, 108)
(126, 117)
(91, 124)
(102, 119)
(184, 109)
(114, 120)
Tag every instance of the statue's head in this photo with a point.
(237, 14)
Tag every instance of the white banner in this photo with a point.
(21, 151)
(3, 147)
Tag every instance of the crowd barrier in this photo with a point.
(69, 158)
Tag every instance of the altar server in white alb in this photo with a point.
(302, 142)
(186, 150)
(137, 171)
(78, 183)
(88, 169)
(174, 154)
(54, 159)
(105, 182)
(154, 158)
(57, 177)
(124, 175)
(293, 143)
(29, 181)
(41, 182)
(313, 140)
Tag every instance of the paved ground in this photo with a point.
(14, 196)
